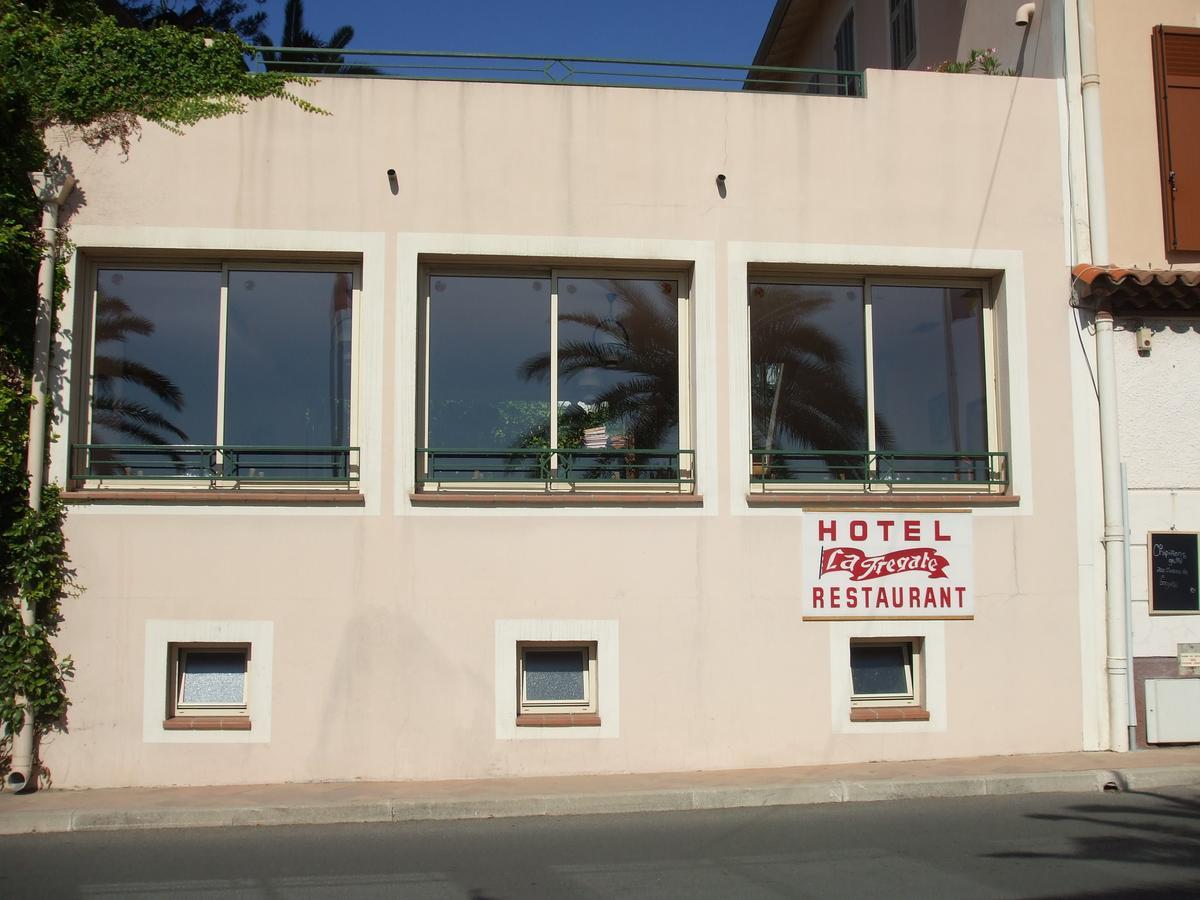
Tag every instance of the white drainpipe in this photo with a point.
(52, 189)
(1116, 605)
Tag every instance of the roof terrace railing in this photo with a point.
(443, 65)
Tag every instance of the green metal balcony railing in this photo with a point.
(871, 468)
(582, 70)
(551, 467)
(155, 462)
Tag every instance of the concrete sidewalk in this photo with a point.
(329, 803)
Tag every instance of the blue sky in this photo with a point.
(689, 30)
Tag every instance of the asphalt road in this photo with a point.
(1049, 845)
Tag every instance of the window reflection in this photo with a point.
(287, 371)
(929, 374)
(810, 401)
(154, 372)
(485, 335)
(608, 387)
(618, 363)
(156, 376)
(808, 376)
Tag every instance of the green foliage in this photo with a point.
(100, 78)
(981, 62)
(65, 63)
(37, 566)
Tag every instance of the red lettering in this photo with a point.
(912, 530)
(945, 594)
(834, 593)
(961, 591)
(858, 530)
(937, 531)
(930, 598)
(818, 598)
(851, 597)
(914, 596)
(826, 530)
(885, 526)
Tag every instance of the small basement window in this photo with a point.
(209, 688)
(557, 684)
(886, 680)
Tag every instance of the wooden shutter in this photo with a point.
(1177, 93)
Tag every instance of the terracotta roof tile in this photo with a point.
(1145, 291)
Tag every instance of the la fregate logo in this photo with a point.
(861, 567)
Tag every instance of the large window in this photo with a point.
(872, 382)
(220, 373)
(554, 377)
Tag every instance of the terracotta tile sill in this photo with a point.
(889, 714)
(207, 723)
(216, 497)
(558, 720)
(863, 500)
(553, 498)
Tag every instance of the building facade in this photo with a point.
(542, 429)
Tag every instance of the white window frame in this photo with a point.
(177, 671)
(224, 265)
(914, 671)
(588, 704)
(867, 283)
(428, 272)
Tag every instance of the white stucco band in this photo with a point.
(603, 632)
(179, 243)
(1011, 355)
(160, 633)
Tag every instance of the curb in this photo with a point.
(795, 794)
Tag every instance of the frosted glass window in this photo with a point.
(555, 676)
(880, 670)
(213, 678)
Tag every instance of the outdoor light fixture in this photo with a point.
(393, 182)
(721, 184)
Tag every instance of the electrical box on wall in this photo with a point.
(1173, 710)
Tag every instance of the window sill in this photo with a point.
(889, 714)
(558, 720)
(889, 500)
(553, 498)
(207, 723)
(216, 497)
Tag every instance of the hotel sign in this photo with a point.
(868, 565)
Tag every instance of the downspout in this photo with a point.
(52, 189)
(1116, 606)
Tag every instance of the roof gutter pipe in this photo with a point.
(52, 189)
(1116, 603)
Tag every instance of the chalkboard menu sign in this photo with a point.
(1174, 572)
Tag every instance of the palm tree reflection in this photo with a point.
(116, 415)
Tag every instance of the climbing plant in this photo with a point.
(67, 68)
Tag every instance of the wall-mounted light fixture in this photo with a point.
(721, 185)
(393, 182)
